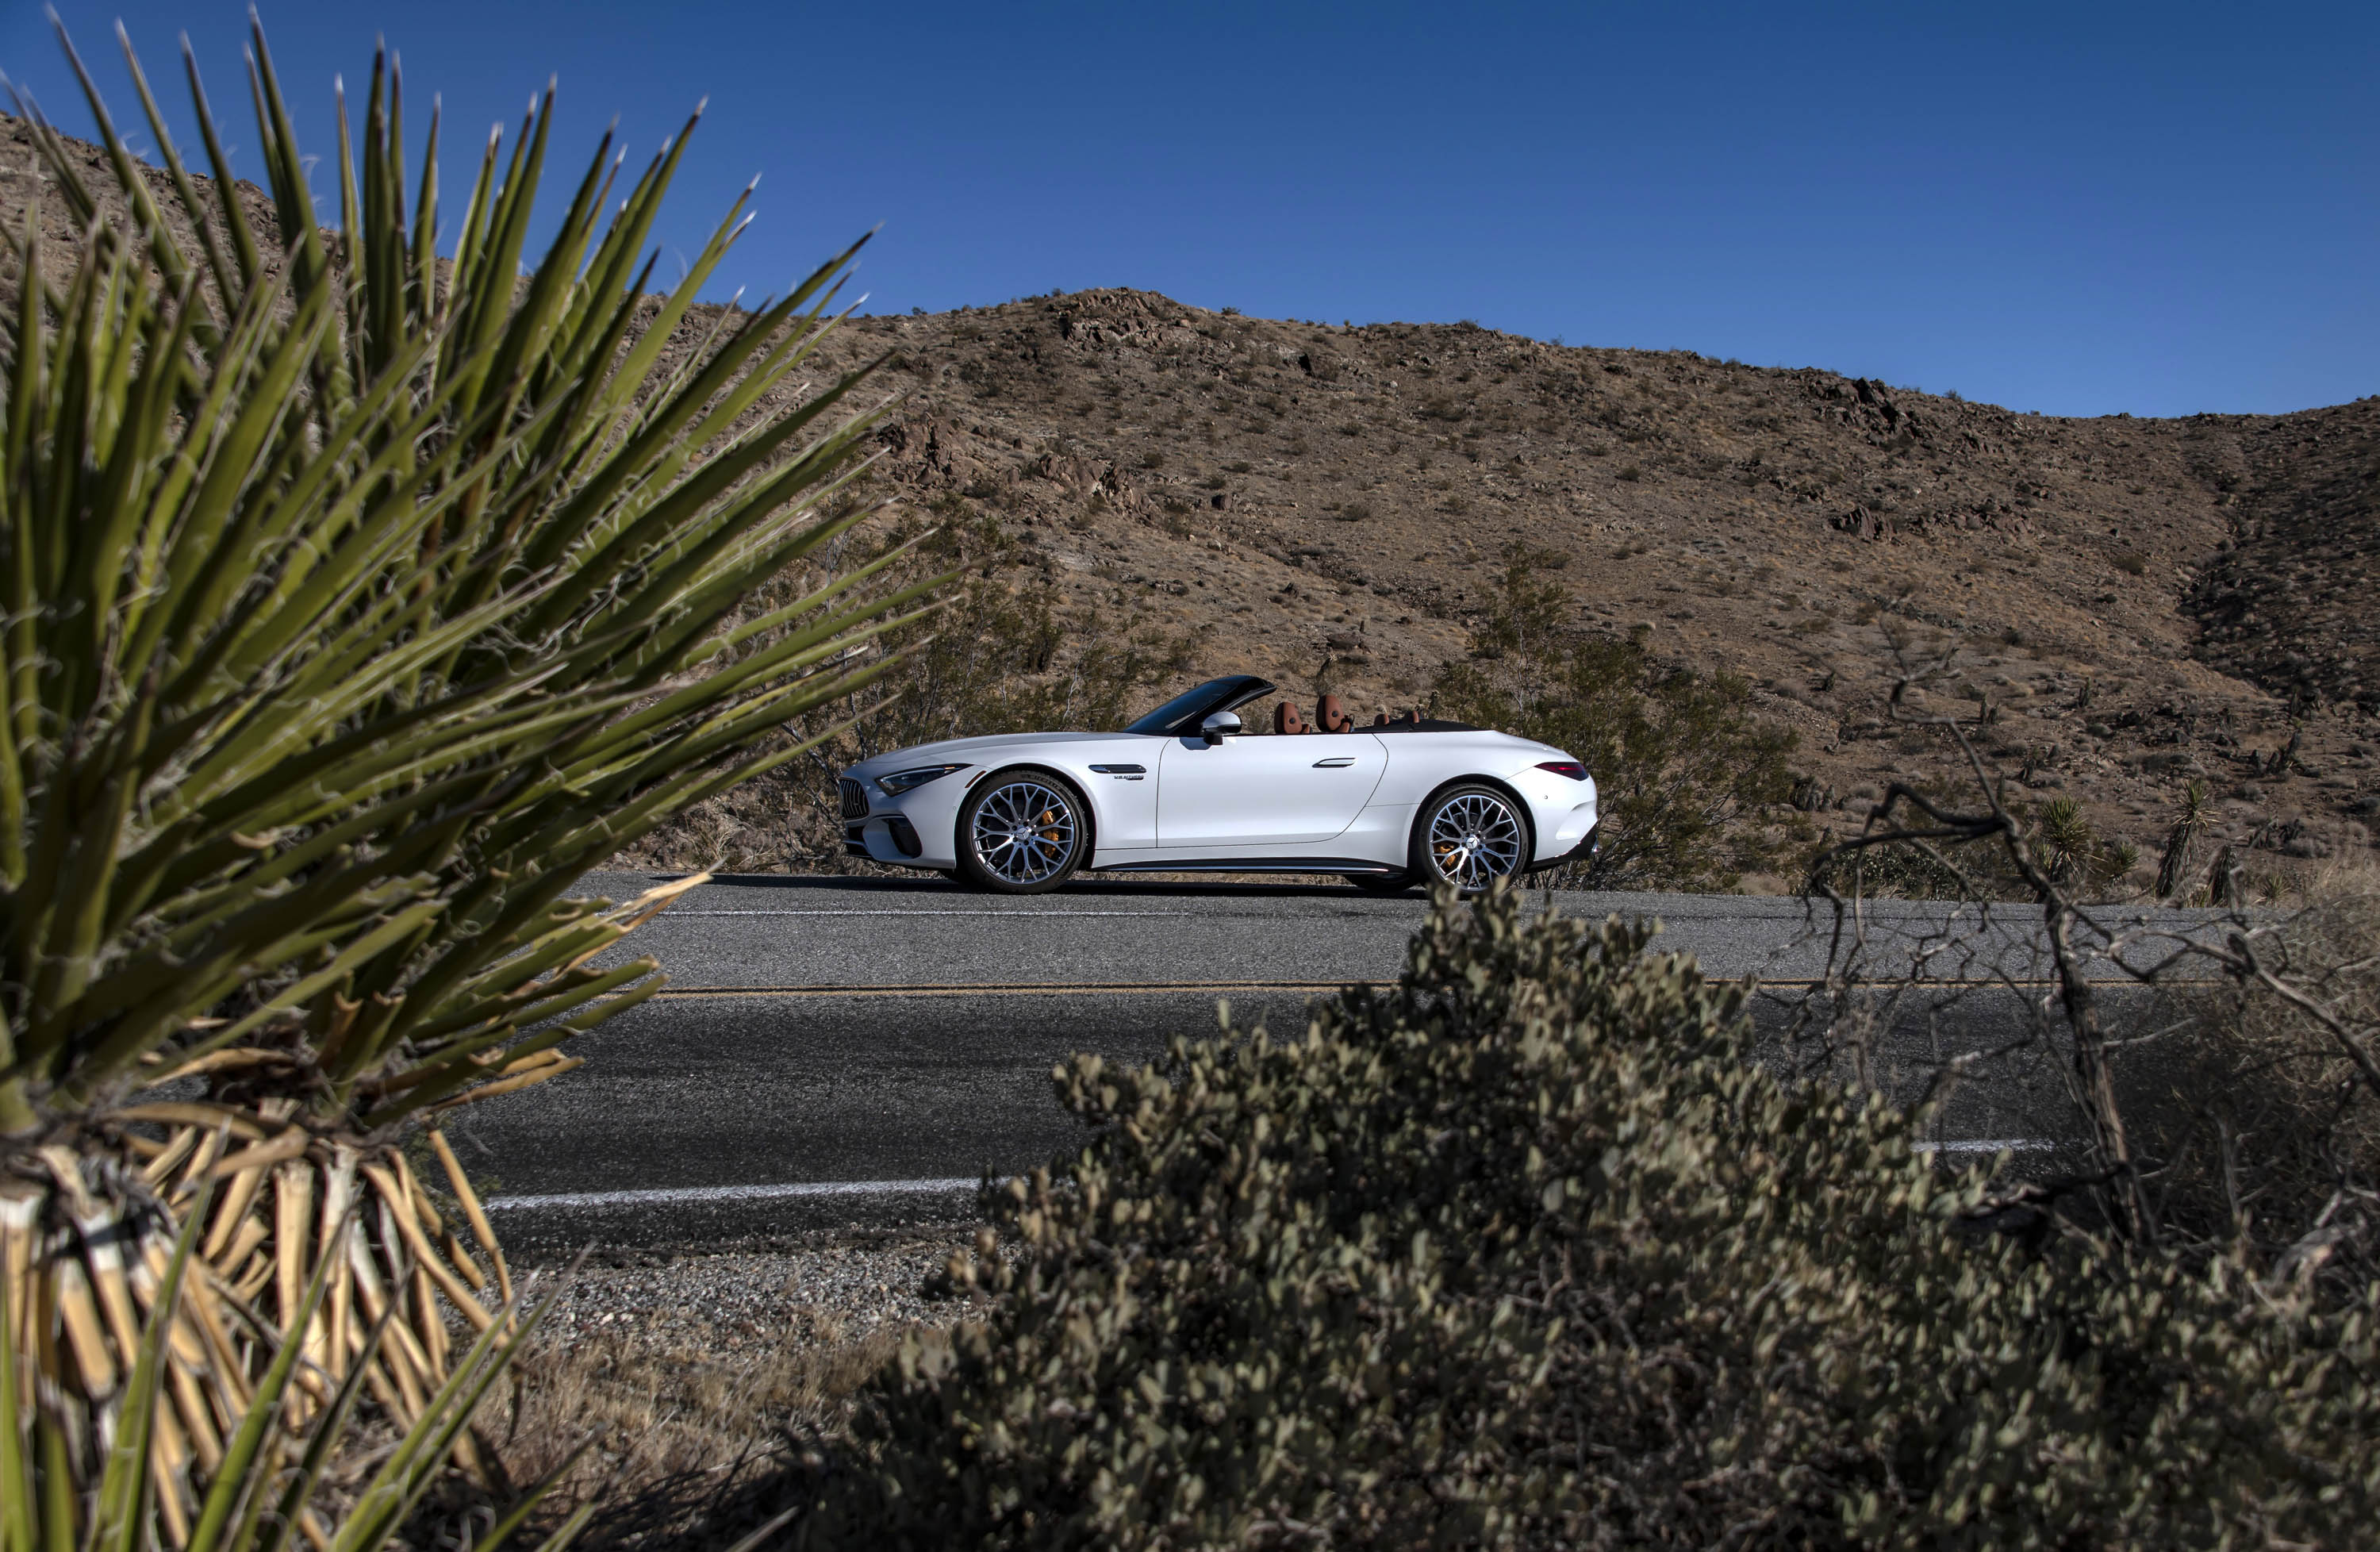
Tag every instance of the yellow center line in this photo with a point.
(2103, 983)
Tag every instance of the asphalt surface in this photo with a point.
(862, 1052)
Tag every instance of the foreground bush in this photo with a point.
(1526, 1251)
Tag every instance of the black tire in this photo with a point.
(1023, 830)
(1486, 837)
(1381, 883)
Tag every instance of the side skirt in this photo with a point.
(1251, 865)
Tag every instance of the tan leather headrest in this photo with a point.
(1330, 717)
(1286, 719)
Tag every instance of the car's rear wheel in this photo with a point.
(1469, 836)
(1022, 832)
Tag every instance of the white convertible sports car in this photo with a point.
(1188, 789)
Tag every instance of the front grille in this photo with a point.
(854, 800)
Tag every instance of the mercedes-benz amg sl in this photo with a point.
(1190, 788)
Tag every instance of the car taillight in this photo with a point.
(1570, 769)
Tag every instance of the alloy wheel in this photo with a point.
(1023, 832)
(1474, 839)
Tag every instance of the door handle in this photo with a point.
(1335, 762)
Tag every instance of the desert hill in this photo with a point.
(2131, 602)
(2123, 603)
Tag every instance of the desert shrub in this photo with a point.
(1683, 770)
(2073, 849)
(1001, 655)
(1910, 873)
(2266, 1134)
(1004, 657)
(1526, 1250)
(2073, 854)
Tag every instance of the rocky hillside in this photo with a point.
(2120, 603)
(2291, 602)
(2131, 602)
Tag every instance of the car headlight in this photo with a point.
(905, 781)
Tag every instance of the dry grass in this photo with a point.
(685, 1445)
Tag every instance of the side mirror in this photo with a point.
(1221, 725)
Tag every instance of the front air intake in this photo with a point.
(854, 800)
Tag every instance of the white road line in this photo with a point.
(1991, 1145)
(733, 1193)
(676, 914)
(682, 1194)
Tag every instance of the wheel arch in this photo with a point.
(1016, 767)
(1511, 794)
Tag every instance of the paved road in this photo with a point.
(836, 1051)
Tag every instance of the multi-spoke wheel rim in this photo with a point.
(1474, 839)
(1024, 831)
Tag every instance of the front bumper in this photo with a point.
(888, 838)
(915, 828)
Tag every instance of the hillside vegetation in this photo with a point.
(2125, 604)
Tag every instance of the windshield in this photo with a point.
(1186, 710)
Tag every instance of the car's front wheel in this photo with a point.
(1022, 832)
(1469, 836)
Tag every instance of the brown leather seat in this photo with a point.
(1331, 717)
(1286, 719)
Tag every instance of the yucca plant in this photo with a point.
(266, 1445)
(2192, 816)
(2070, 848)
(357, 600)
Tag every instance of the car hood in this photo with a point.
(974, 750)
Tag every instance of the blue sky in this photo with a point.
(2073, 207)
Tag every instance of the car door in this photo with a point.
(1261, 790)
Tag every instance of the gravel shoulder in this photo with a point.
(755, 1295)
